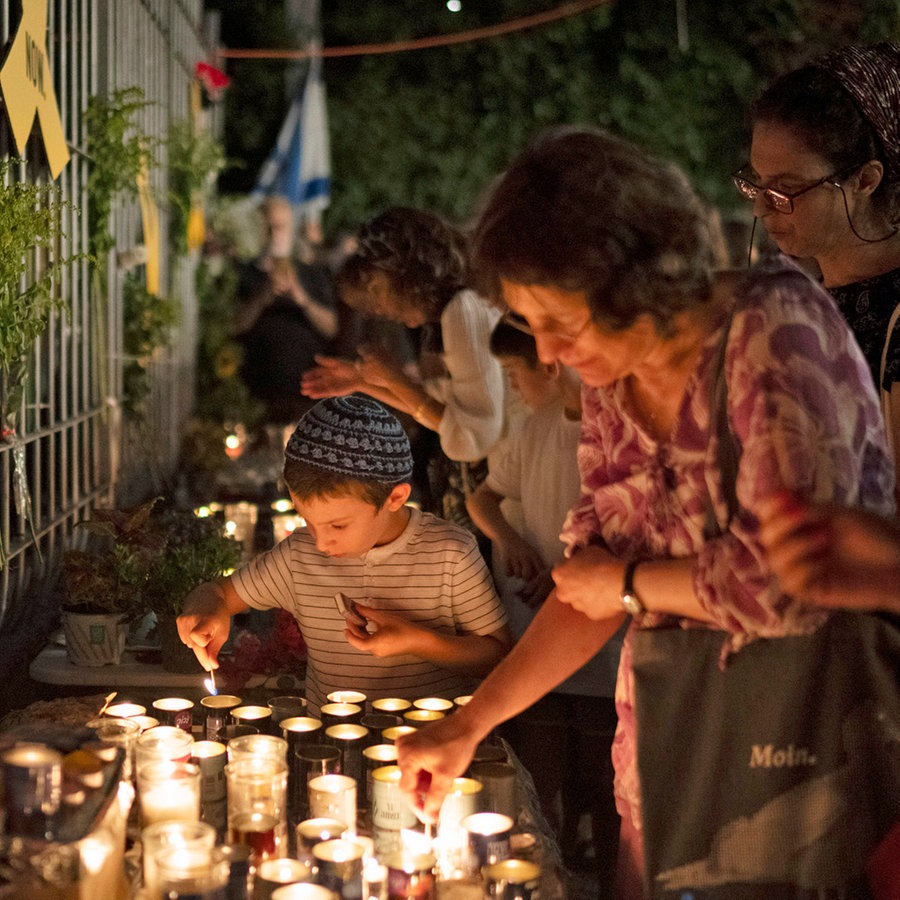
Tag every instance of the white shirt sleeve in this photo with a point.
(473, 395)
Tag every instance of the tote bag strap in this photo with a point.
(728, 450)
(882, 393)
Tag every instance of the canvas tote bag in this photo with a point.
(778, 776)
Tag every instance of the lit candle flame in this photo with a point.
(211, 682)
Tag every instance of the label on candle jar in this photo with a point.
(390, 810)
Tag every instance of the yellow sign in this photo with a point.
(150, 220)
(28, 86)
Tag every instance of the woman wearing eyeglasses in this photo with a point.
(824, 178)
(606, 255)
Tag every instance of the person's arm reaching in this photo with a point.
(830, 555)
(206, 621)
(559, 641)
(520, 559)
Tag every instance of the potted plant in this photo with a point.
(196, 550)
(103, 582)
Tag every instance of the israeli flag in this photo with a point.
(299, 167)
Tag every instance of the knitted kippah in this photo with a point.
(353, 436)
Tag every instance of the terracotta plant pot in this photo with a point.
(94, 639)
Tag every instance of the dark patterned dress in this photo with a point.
(867, 306)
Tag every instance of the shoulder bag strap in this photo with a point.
(885, 396)
(728, 451)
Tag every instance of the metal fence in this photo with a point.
(74, 448)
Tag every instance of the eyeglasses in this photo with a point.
(517, 321)
(520, 323)
(782, 201)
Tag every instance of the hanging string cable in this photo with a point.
(563, 11)
(865, 240)
(750, 248)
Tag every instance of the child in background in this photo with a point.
(564, 739)
(433, 621)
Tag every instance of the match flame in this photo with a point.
(210, 683)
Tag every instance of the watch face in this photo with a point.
(632, 604)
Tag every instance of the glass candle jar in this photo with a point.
(169, 791)
(334, 796)
(257, 806)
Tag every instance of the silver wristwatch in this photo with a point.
(630, 600)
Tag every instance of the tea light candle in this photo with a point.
(217, 710)
(376, 723)
(299, 730)
(189, 873)
(271, 874)
(258, 746)
(334, 796)
(463, 799)
(125, 710)
(422, 716)
(391, 705)
(310, 832)
(169, 791)
(435, 703)
(390, 735)
(287, 706)
(259, 717)
(488, 837)
(349, 739)
(374, 757)
(340, 714)
(340, 865)
(32, 774)
(305, 891)
(356, 697)
(163, 743)
(175, 711)
(146, 722)
(165, 835)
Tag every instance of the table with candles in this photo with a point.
(224, 798)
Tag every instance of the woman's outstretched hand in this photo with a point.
(431, 758)
(332, 377)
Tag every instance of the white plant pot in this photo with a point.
(94, 640)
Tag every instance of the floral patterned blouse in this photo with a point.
(802, 406)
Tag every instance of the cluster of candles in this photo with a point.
(273, 803)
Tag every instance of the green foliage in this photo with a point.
(109, 577)
(196, 550)
(147, 323)
(30, 231)
(145, 559)
(118, 149)
(433, 127)
(195, 159)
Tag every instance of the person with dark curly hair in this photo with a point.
(410, 266)
(824, 179)
(605, 254)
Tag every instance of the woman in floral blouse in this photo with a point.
(605, 254)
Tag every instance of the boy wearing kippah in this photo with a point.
(432, 617)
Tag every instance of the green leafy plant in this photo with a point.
(30, 232)
(110, 575)
(196, 550)
(118, 149)
(147, 321)
(145, 559)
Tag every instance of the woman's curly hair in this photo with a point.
(583, 210)
(423, 256)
